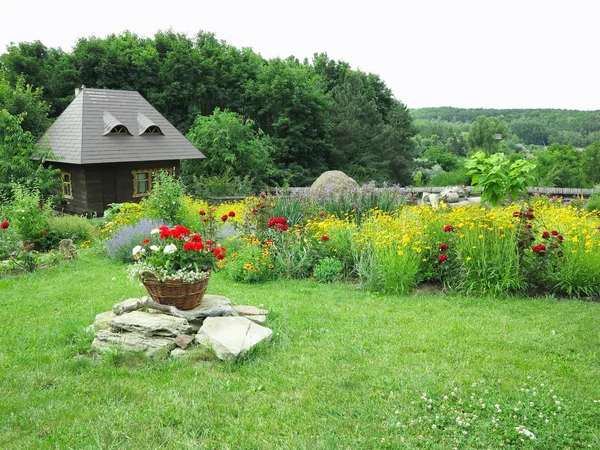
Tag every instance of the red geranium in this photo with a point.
(281, 221)
(324, 238)
(4, 225)
(442, 258)
(145, 241)
(443, 247)
(448, 228)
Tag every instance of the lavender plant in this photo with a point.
(119, 245)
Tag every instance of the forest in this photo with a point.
(281, 122)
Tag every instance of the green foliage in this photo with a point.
(22, 161)
(252, 263)
(559, 166)
(165, 202)
(485, 132)
(232, 147)
(438, 154)
(24, 101)
(76, 228)
(590, 161)
(453, 178)
(328, 270)
(497, 178)
(593, 203)
(225, 185)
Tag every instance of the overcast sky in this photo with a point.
(464, 53)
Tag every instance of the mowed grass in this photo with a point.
(346, 369)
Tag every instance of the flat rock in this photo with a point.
(231, 337)
(257, 318)
(132, 342)
(246, 310)
(149, 324)
(102, 319)
(179, 353)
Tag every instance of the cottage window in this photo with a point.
(67, 187)
(142, 181)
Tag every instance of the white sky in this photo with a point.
(464, 53)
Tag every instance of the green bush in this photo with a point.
(166, 200)
(70, 227)
(328, 270)
(593, 202)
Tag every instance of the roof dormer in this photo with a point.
(112, 125)
(147, 126)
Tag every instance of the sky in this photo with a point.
(462, 53)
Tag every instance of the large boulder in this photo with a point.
(231, 337)
(333, 181)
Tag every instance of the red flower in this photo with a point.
(206, 219)
(208, 242)
(554, 245)
(277, 221)
(43, 232)
(224, 217)
(282, 228)
(560, 254)
(146, 241)
(528, 226)
(443, 247)
(322, 214)
(530, 209)
(262, 195)
(196, 238)
(516, 213)
(545, 235)
(231, 214)
(324, 238)
(560, 238)
(442, 258)
(254, 211)
(554, 233)
(539, 249)
(4, 225)
(448, 228)
(202, 212)
(219, 253)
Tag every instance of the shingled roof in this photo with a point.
(82, 134)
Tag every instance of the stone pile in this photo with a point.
(215, 325)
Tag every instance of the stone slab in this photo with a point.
(102, 319)
(106, 339)
(150, 324)
(247, 310)
(231, 337)
(257, 318)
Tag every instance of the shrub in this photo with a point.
(328, 270)
(165, 202)
(75, 228)
(252, 263)
(593, 202)
(119, 245)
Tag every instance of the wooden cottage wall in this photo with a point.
(78, 187)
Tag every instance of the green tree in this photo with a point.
(591, 162)
(438, 154)
(232, 147)
(559, 166)
(22, 160)
(484, 133)
(26, 101)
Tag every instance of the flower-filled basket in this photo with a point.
(174, 265)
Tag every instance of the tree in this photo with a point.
(23, 100)
(559, 166)
(591, 162)
(484, 133)
(232, 147)
(22, 160)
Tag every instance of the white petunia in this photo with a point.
(155, 231)
(171, 248)
(137, 249)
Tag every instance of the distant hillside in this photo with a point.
(532, 126)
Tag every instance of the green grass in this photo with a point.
(346, 369)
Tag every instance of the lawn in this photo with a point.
(346, 369)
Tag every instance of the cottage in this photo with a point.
(108, 144)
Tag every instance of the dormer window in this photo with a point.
(147, 126)
(119, 129)
(112, 125)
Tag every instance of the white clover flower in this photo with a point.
(154, 248)
(155, 231)
(171, 248)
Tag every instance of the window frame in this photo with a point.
(66, 185)
(150, 173)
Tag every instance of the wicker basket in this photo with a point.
(177, 293)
